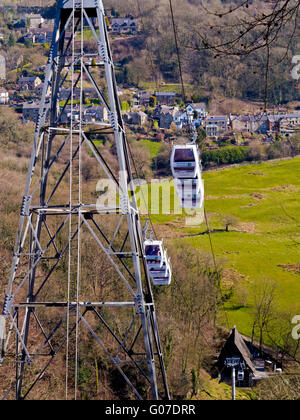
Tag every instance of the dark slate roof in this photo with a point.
(236, 346)
(165, 94)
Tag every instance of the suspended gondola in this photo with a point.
(186, 171)
(158, 263)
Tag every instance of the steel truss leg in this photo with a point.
(139, 343)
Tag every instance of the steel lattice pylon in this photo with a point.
(52, 303)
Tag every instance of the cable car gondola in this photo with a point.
(158, 263)
(163, 276)
(163, 281)
(154, 252)
(186, 170)
(185, 161)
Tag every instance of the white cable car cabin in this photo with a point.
(163, 281)
(154, 253)
(162, 277)
(185, 161)
(158, 264)
(186, 170)
(159, 271)
(190, 192)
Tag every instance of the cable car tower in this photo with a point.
(79, 277)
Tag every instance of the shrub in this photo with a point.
(225, 155)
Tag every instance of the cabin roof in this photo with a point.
(235, 346)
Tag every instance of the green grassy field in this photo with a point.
(264, 198)
(152, 146)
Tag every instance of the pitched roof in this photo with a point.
(217, 118)
(165, 109)
(34, 105)
(164, 93)
(236, 346)
(28, 79)
(198, 105)
(122, 21)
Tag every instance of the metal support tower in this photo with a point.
(58, 296)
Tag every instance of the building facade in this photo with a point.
(124, 26)
(165, 98)
(216, 125)
(4, 96)
(31, 111)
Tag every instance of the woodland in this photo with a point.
(244, 52)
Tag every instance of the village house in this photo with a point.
(261, 124)
(249, 123)
(164, 115)
(180, 119)
(240, 123)
(236, 347)
(165, 98)
(274, 122)
(254, 364)
(33, 21)
(197, 110)
(30, 111)
(284, 124)
(39, 90)
(29, 83)
(88, 93)
(42, 36)
(96, 114)
(136, 118)
(216, 125)
(39, 36)
(141, 98)
(289, 123)
(124, 26)
(68, 114)
(4, 96)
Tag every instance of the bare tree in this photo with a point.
(263, 307)
(230, 220)
(242, 29)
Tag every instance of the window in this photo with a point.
(184, 155)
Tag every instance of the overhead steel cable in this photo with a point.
(177, 51)
(147, 45)
(192, 128)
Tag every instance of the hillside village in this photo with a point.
(156, 115)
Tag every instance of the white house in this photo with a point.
(34, 21)
(4, 96)
(199, 108)
(180, 119)
(216, 125)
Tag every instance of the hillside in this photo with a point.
(235, 264)
(260, 250)
(260, 204)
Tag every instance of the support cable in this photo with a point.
(147, 45)
(178, 51)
